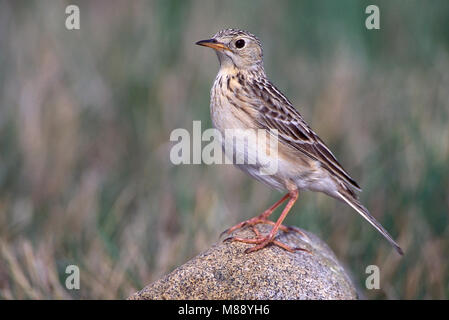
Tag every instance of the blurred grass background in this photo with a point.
(85, 120)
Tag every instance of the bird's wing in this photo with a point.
(276, 112)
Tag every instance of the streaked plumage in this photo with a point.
(243, 97)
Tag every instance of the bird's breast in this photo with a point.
(250, 148)
(230, 104)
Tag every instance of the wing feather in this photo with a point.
(276, 112)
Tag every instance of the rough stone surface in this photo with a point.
(224, 271)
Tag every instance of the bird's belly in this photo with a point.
(281, 173)
(243, 149)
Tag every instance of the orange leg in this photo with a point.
(263, 218)
(260, 241)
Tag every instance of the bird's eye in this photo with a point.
(240, 43)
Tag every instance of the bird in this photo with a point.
(242, 97)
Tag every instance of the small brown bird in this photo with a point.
(242, 97)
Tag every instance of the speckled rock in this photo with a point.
(225, 272)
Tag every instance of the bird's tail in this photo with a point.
(357, 206)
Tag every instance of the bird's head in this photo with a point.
(237, 48)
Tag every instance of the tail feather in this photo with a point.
(357, 206)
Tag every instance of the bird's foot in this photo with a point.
(263, 220)
(263, 241)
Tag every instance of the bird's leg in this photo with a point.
(263, 218)
(262, 242)
(269, 211)
(285, 228)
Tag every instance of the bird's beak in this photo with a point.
(212, 43)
